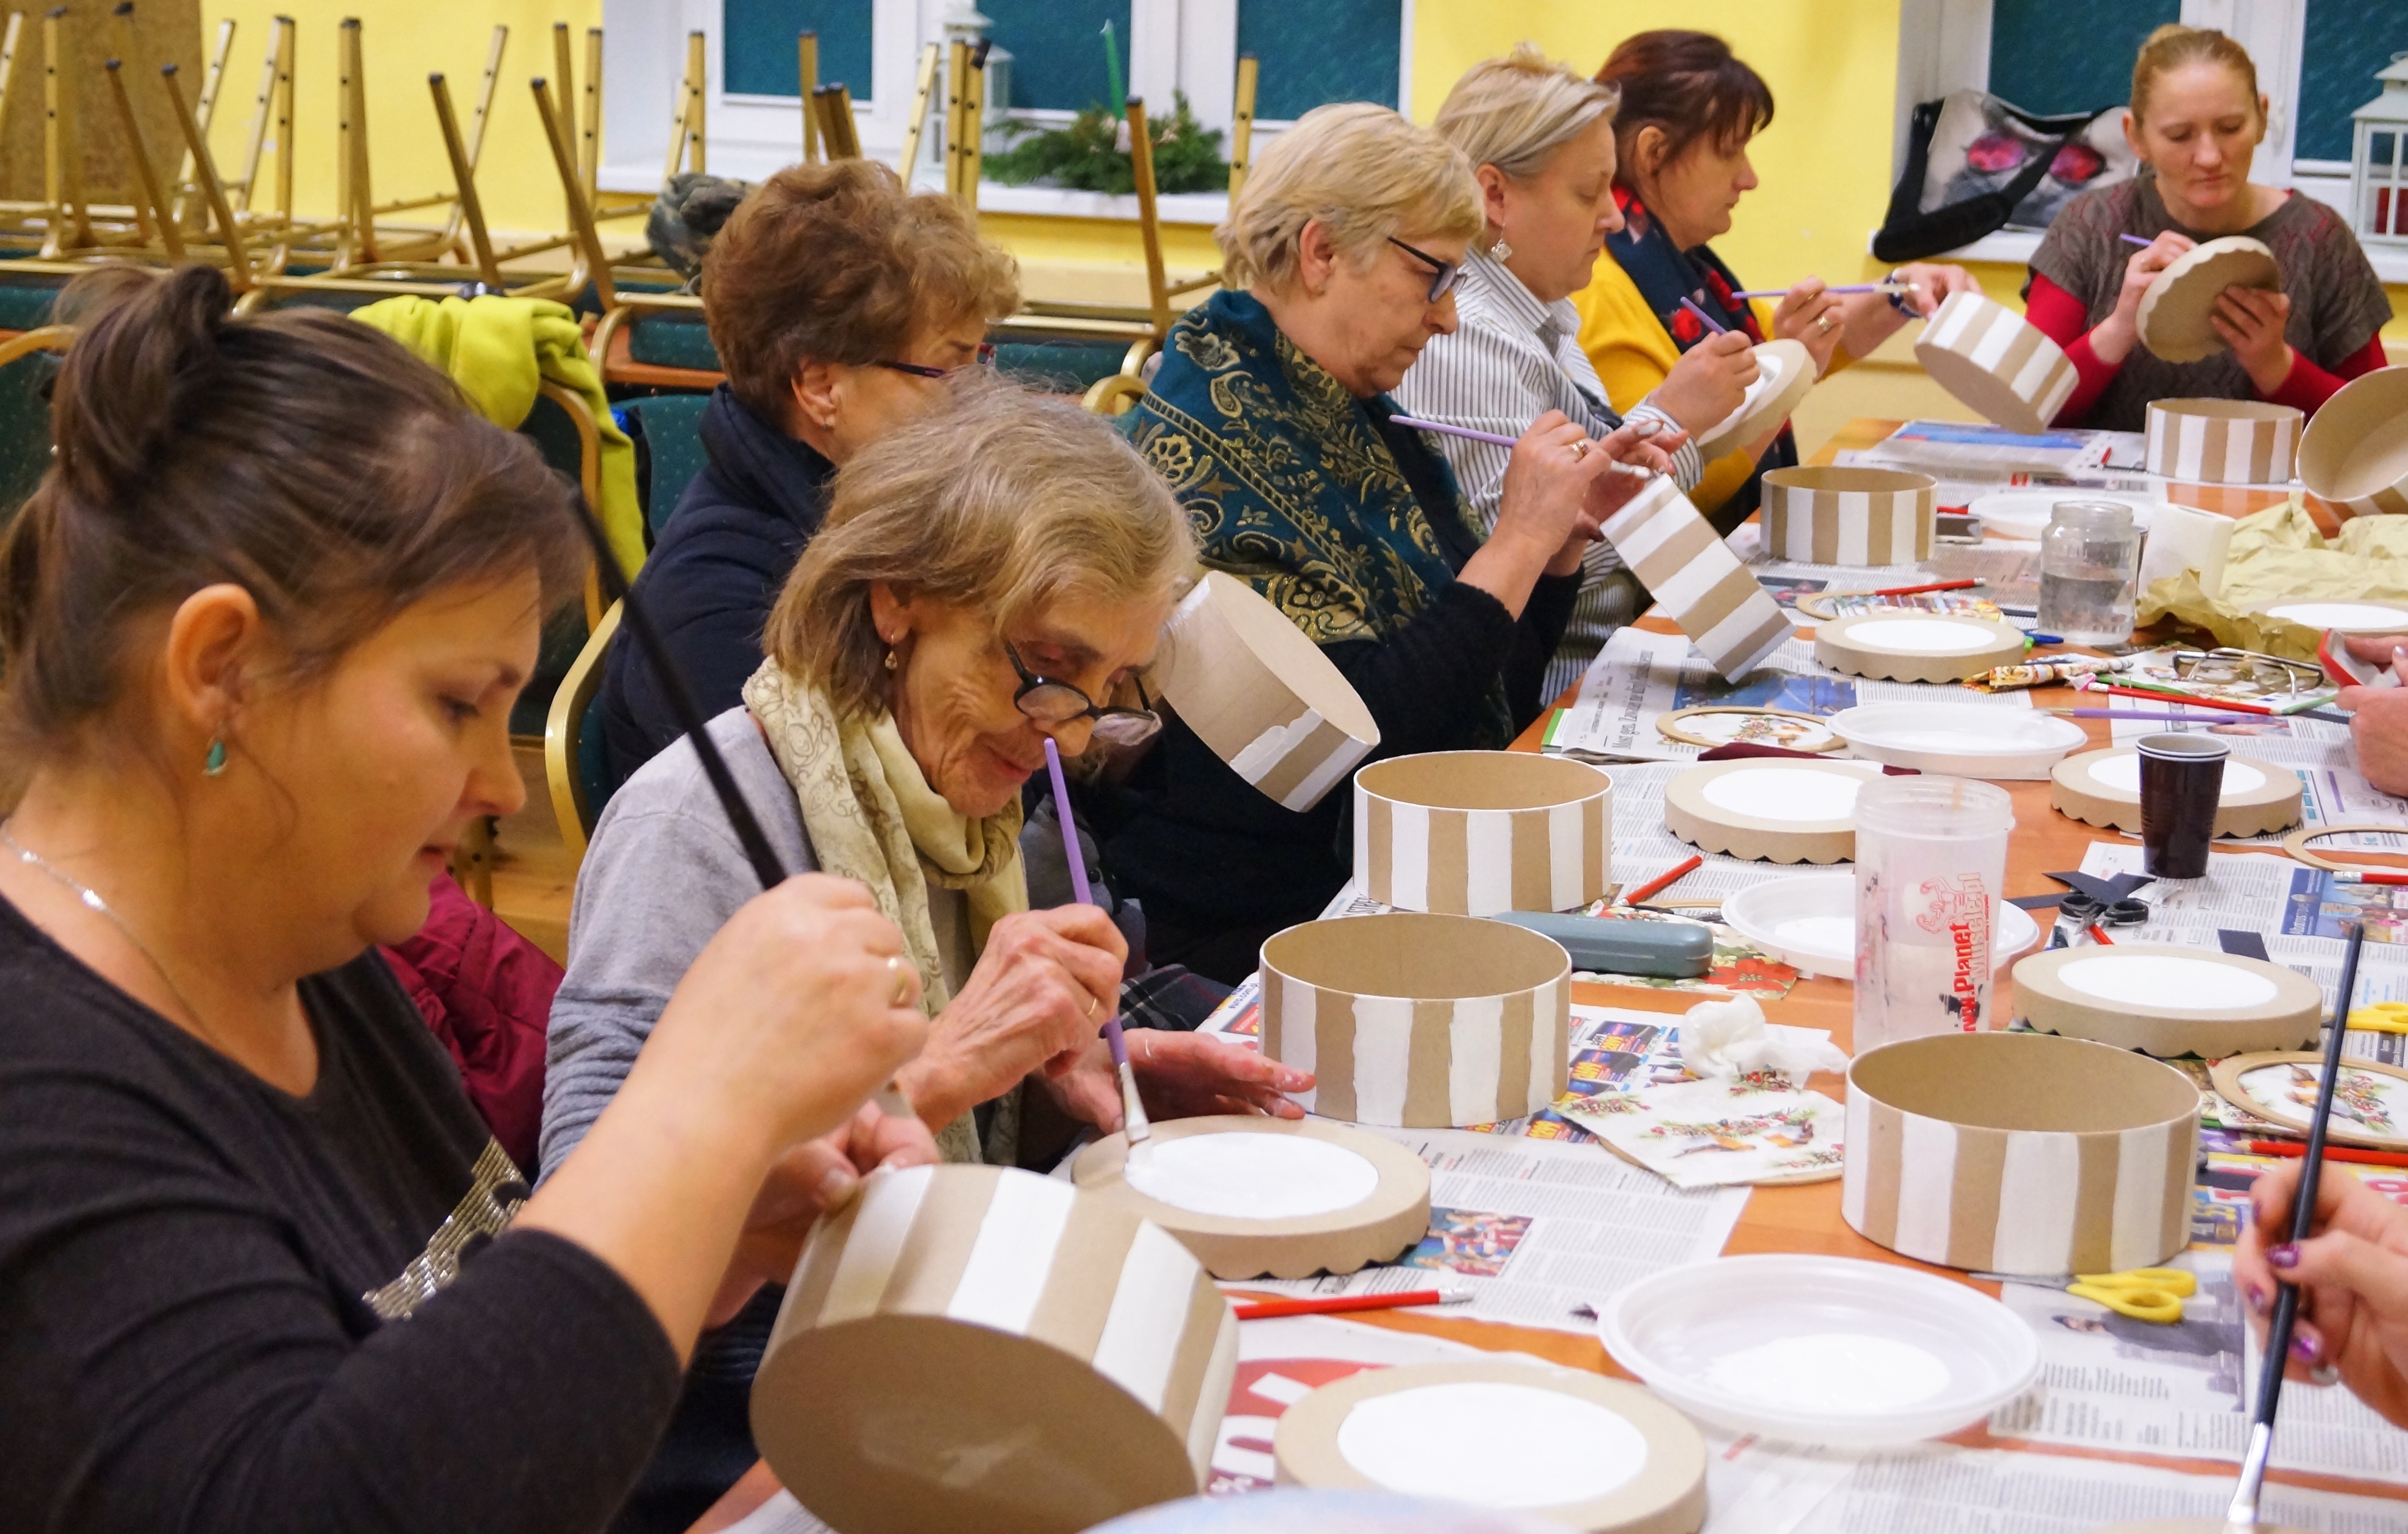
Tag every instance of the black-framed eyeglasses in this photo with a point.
(1054, 704)
(1444, 275)
(921, 370)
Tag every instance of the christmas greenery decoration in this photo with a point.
(1087, 156)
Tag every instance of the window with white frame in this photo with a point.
(1309, 51)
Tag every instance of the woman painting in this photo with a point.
(1689, 108)
(2196, 119)
(1270, 417)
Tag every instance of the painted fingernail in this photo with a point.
(2304, 1348)
(2284, 1256)
(836, 1186)
(2256, 1297)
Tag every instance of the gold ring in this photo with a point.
(902, 981)
(1822, 321)
(1091, 1007)
(1580, 450)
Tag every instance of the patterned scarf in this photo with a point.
(870, 816)
(1290, 483)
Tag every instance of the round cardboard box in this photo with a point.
(1995, 362)
(2018, 1152)
(1696, 580)
(1768, 809)
(1575, 1449)
(2165, 1000)
(1848, 516)
(1262, 696)
(1420, 1021)
(2103, 788)
(2173, 316)
(1472, 833)
(1909, 646)
(926, 1318)
(1785, 370)
(2223, 441)
(2369, 1107)
(2355, 454)
(1275, 1192)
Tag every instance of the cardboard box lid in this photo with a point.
(2173, 313)
(2166, 1000)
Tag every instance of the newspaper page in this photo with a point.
(1639, 676)
(1976, 451)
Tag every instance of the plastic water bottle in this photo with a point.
(1931, 865)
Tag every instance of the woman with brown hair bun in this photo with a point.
(835, 297)
(2196, 119)
(261, 1266)
(1689, 108)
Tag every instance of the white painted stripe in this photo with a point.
(2033, 376)
(1954, 318)
(2190, 448)
(889, 1202)
(1926, 1184)
(1309, 789)
(1362, 838)
(1567, 854)
(1798, 524)
(1856, 512)
(1641, 538)
(1745, 619)
(1475, 1056)
(1488, 861)
(1636, 510)
(2060, 388)
(1014, 1254)
(1855, 1170)
(1688, 585)
(2240, 437)
(1549, 1049)
(1300, 1040)
(1280, 1388)
(2279, 471)
(1991, 346)
(1409, 855)
(1383, 1050)
(1148, 1316)
(1270, 749)
(2139, 1199)
(2037, 1187)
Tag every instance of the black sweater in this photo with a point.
(200, 1322)
(717, 571)
(1217, 864)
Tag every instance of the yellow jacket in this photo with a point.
(1633, 353)
(499, 350)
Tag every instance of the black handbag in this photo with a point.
(1909, 233)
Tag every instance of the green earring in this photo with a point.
(215, 763)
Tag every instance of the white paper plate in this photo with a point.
(1811, 920)
(1964, 740)
(1821, 1350)
(2344, 617)
(2024, 514)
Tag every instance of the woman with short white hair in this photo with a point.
(1541, 142)
(1271, 421)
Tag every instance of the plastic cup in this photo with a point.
(1931, 865)
(2182, 783)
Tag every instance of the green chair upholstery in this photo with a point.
(672, 340)
(24, 428)
(25, 298)
(556, 436)
(669, 451)
(1067, 366)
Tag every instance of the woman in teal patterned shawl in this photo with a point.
(1270, 418)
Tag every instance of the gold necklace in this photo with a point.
(91, 901)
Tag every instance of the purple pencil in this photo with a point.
(1850, 287)
(1133, 1110)
(2135, 239)
(1497, 438)
(1703, 318)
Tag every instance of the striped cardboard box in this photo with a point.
(2353, 455)
(1993, 360)
(1696, 579)
(1849, 516)
(2223, 441)
(1472, 833)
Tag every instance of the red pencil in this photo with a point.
(1258, 1309)
(2369, 877)
(2177, 698)
(2332, 1153)
(2100, 933)
(1935, 585)
(1656, 885)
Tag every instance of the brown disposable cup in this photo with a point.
(2182, 781)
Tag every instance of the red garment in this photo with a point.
(486, 992)
(2064, 319)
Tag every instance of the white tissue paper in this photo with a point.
(1725, 1039)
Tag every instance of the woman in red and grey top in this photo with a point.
(2195, 121)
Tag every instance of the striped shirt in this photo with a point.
(1511, 359)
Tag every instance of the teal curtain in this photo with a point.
(759, 44)
(1057, 51)
(2346, 42)
(1316, 51)
(2050, 56)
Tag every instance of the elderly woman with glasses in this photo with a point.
(1270, 417)
(835, 297)
(989, 571)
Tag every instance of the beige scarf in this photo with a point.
(870, 816)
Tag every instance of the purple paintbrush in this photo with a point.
(1133, 1110)
(1499, 438)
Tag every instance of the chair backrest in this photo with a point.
(574, 765)
(1066, 365)
(670, 428)
(672, 340)
(26, 365)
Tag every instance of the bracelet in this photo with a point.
(1897, 300)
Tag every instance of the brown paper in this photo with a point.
(2292, 1017)
(1472, 833)
(2277, 557)
(2355, 453)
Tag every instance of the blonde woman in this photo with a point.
(1270, 418)
(2196, 120)
(1541, 142)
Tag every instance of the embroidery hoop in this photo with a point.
(2226, 1074)
(2295, 848)
(1669, 725)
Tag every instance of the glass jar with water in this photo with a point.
(2088, 558)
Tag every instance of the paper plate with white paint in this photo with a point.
(2166, 1000)
(1963, 740)
(2019, 1152)
(1420, 1021)
(1573, 1448)
(2025, 513)
(2353, 455)
(977, 1347)
(1781, 812)
(1260, 694)
(1250, 1196)
(2344, 617)
(1810, 921)
(1472, 833)
(2103, 788)
(1905, 645)
(1997, 362)
(1821, 1350)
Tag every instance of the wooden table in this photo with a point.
(1798, 1219)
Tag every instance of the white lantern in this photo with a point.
(2378, 161)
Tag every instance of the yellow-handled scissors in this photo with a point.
(2144, 1294)
(2380, 1017)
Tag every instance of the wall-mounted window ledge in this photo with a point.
(1205, 208)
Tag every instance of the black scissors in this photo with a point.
(2078, 910)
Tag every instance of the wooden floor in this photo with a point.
(532, 878)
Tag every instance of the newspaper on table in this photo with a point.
(1956, 449)
(1757, 1127)
(1639, 677)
